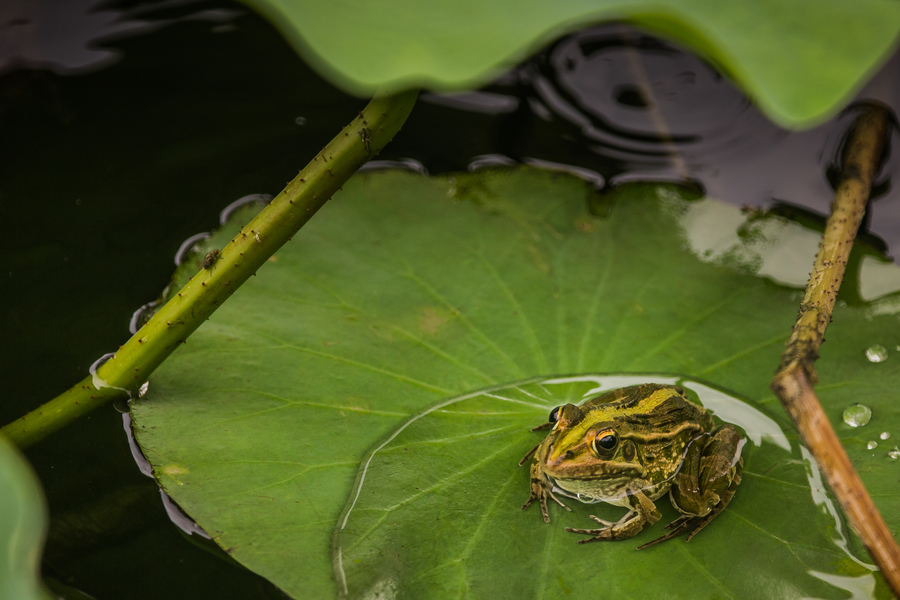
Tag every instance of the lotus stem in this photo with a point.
(796, 375)
(132, 364)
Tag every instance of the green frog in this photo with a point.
(629, 447)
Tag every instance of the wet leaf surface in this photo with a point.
(435, 512)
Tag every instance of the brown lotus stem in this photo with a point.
(796, 374)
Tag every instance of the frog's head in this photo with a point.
(586, 447)
(639, 433)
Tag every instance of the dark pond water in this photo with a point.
(127, 129)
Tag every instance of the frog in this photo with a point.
(629, 447)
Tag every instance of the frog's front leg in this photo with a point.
(541, 489)
(643, 513)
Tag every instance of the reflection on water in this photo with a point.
(629, 106)
(189, 245)
(666, 114)
(773, 247)
(860, 588)
(96, 380)
(69, 37)
(823, 498)
(878, 277)
(640, 100)
(258, 199)
(405, 164)
(477, 101)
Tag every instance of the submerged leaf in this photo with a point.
(408, 291)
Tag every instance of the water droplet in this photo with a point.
(140, 317)
(187, 246)
(121, 405)
(895, 453)
(884, 435)
(877, 353)
(857, 415)
(258, 199)
(96, 380)
(407, 164)
(872, 445)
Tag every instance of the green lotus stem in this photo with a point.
(133, 363)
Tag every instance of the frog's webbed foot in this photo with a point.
(681, 525)
(628, 526)
(643, 512)
(691, 525)
(540, 491)
(678, 526)
(605, 522)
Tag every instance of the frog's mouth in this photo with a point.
(597, 472)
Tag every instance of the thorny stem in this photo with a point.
(132, 364)
(796, 374)
(862, 155)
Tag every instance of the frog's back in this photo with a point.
(652, 404)
(660, 421)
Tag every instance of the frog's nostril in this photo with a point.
(570, 454)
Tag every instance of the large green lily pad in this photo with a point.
(408, 291)
(23, 527)
(799, 59)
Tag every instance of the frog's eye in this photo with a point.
(554, 415)
(605, 441)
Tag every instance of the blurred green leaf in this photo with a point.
(23, 527)
(800, 60)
